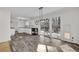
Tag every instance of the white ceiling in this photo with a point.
(29, 12)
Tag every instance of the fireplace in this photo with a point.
(34, 31)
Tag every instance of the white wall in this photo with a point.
(4, 26)
(69, 18)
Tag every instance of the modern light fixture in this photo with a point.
(41, 13)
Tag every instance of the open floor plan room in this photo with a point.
(39, 29)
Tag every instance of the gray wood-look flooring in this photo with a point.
(22, 42)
